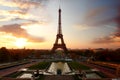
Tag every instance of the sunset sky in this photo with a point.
(85, 23)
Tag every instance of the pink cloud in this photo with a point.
(17, 31)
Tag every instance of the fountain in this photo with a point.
(59, 68)
(26, 75)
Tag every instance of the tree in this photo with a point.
(4, 55)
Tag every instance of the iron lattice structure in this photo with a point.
(59, 36)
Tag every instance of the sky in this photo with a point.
(33, 24)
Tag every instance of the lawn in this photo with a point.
(78, 66)
(41, 65)
(15, 74)
(41, 77)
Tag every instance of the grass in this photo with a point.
(76, 77)
(101, 74)
(0, 78)
(12, 64)
(41, 77)
(41, 65)
(15, 74)
(78, 66)
(59, 61)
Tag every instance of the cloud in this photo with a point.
(24, 11)
(6, 37)
(9, 15)
(95, 12)
(32, 22)
(81, 27)
(104, 40)
(17, 31)
(103, 13)
(113, 38)
(22, 4)
(117, 33)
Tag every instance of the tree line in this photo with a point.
(97, 54)
(10, 55)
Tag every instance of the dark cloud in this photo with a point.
(96, 12)
(17, 31)
(103, 12)
(117, 33)
(104, 40)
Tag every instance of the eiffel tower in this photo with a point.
(59, 36)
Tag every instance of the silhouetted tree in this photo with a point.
(4, 55)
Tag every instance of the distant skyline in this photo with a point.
(85, 23)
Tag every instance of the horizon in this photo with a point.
(86, 24)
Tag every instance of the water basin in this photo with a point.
(59, 68)
(92, 76)
(26, 75)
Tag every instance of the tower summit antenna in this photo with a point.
(59, 4)
(59, 22)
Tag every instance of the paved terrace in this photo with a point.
(59, 77)
(108, 72)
